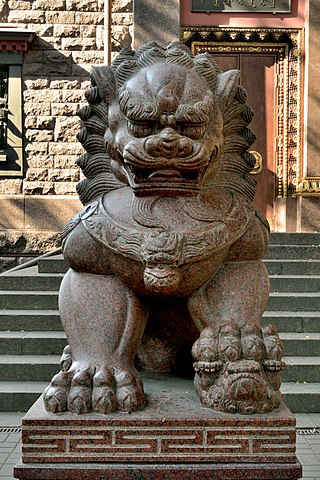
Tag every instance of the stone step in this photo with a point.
(295, 283)
(19, 396)
(292, 267)
(301, 397)
(52, 343)
(302, 344)
(298, 322)
(24, 368)
(55, 264)
(32, 343)
(43, 300)
(30, 320)
(304, 238)
(296, 301)
(301, 369)
(49, 320)
(29, 279)
(294, 252)
(280, 259)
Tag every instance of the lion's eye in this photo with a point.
(193, 131)
(140, 130)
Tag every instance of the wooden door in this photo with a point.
(258, 74)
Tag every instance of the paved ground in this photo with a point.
(308, 444)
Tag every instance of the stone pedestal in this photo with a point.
(172, 438)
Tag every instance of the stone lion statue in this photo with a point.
(168, 246)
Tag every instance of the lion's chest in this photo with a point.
(165, 230)
(168, 242)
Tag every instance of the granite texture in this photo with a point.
(168, 214)
(249, 471)
(171, 428)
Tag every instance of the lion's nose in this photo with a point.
(168, 144)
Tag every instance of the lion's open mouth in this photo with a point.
(169, 175)
(183, 176)
(163, 181)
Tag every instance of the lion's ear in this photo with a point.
(227, 83)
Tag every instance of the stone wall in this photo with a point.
(69, 40)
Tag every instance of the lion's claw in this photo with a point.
(103, 400)
(56, 400)
(82, 389)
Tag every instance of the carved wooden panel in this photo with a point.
(286, 47)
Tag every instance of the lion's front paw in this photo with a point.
(103, 389)
(237, 369)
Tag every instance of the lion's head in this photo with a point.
(163, 121)
(166, 130)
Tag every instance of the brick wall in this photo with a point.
(69, 41)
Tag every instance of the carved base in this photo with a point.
(193, 471)
(172, 435)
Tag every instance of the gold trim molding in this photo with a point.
(288, 44)
(308, 187)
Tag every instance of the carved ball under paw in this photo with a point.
(242, 375)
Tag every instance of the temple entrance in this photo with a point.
(271, 65)
(258, 74)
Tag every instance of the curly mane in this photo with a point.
(234, 161)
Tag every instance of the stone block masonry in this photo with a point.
(56, 67)
(69, 41)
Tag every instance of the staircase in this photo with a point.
(31, 336)
(293, 262)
